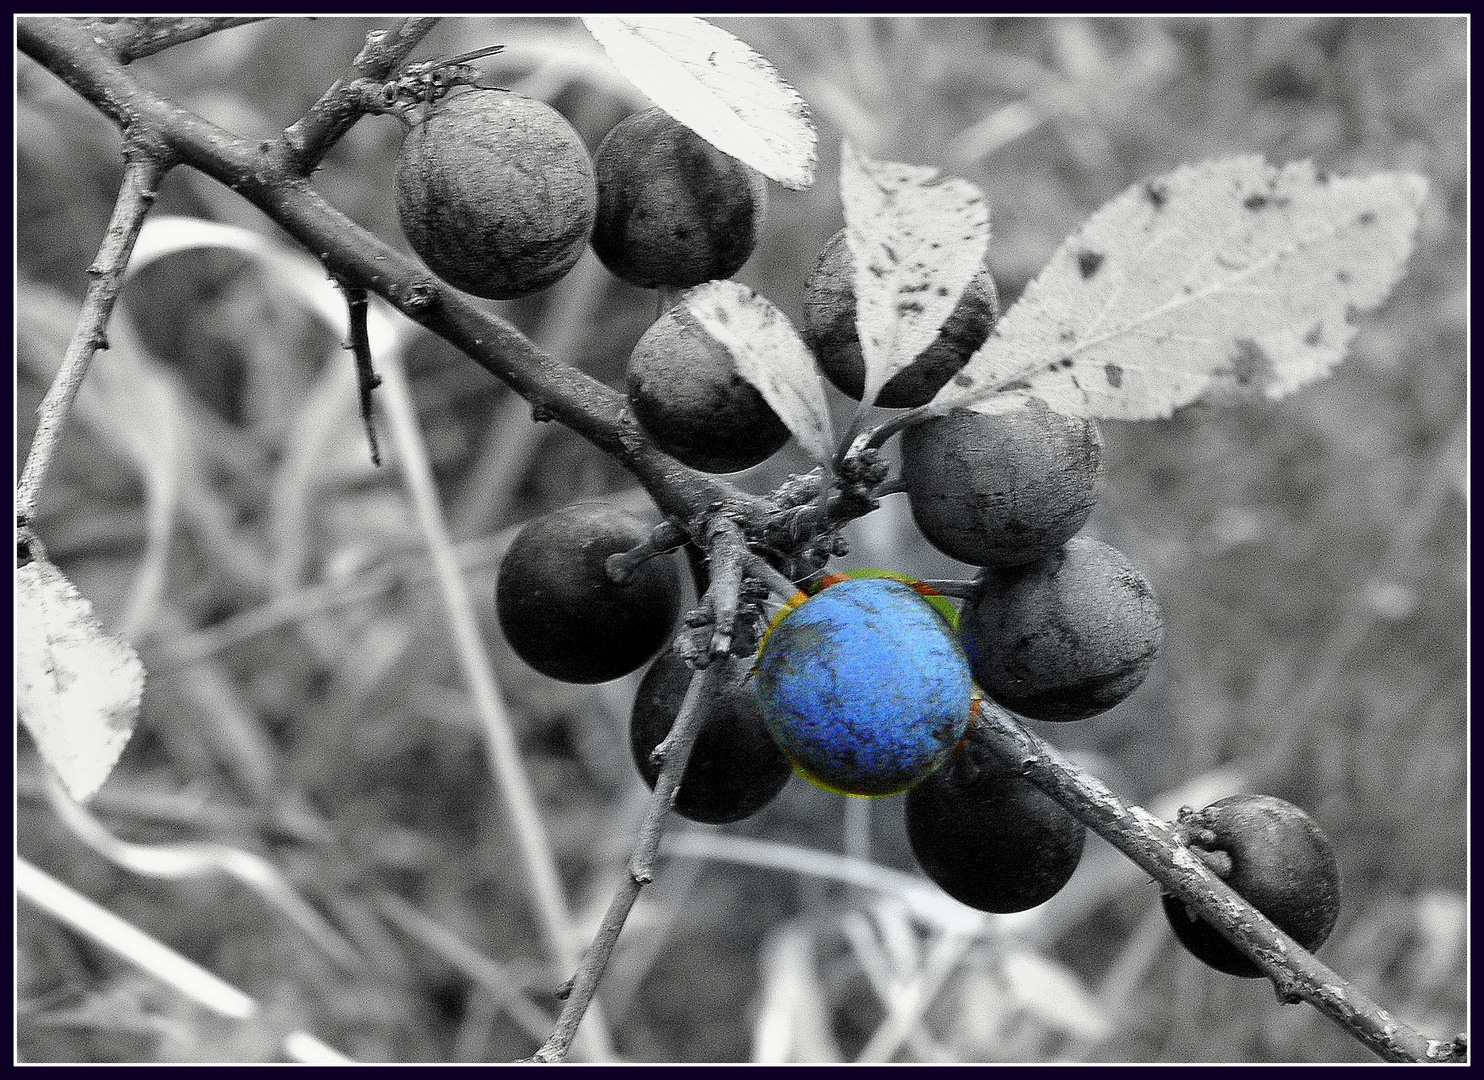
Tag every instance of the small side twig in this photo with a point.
(144, 168)
(676, 749)
(305, 142)
(359, 343)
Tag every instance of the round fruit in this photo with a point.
(1281, 863)
(864, 688)
(990, 839)
(561, 612)
(830, 330)
(496, 193)
(690, 400)
(735, 768)
(1004, 489)
(1065, 637)
(672, 209)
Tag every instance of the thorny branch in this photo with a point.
(144, 168)
(92, 61)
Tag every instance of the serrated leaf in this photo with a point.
(917, 238)
(77, 688)
(717, 86)
(771, 356)
(1225, 276)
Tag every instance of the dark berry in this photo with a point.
(1281, 863)
(496, 193)
(673, 210)
(1065, 637)
(689, 398)
(1004, 489)
(564, 615)
(735, 768)
(991, 839)
(830, 330)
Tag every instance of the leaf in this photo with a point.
(770, 355)
(917, 238)
(1225, 276)
(77, 688)
(717, 86)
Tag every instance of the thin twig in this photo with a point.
(359, 343)
(1154, 846)
(677, 747)
(305, 142)
(502, 746)
(673, 753)
(143, 170)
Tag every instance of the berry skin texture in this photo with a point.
(496, 193)
(830, 331)
(735, 768)
(1001, 490)
(864, 688)
(1281, 863)
(689, 398)
(1066, 637)
(992, 840)
(561, 612)
(673, 210)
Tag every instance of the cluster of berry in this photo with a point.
(865, 686)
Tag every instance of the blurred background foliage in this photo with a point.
(215, 501)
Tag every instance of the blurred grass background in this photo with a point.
(217, 505)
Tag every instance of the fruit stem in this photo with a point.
(777, 584)
(664, 537)
(954, 587)
(876, 438)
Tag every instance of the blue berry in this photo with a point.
(864, 687)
